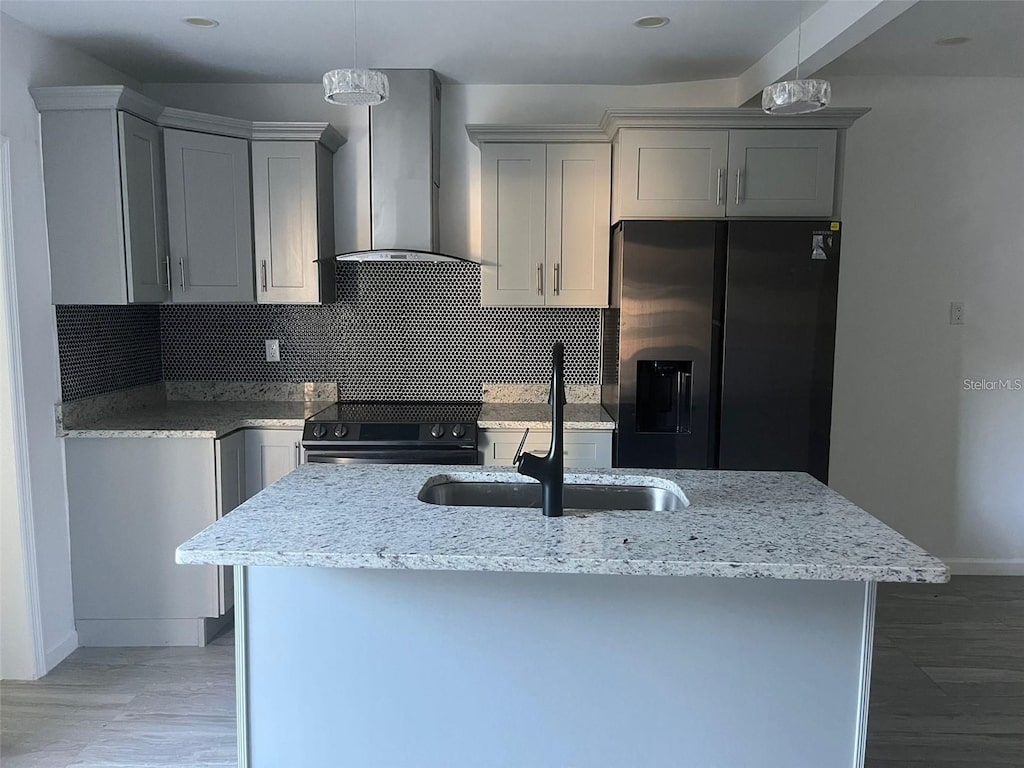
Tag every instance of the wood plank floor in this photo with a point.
(947, 692)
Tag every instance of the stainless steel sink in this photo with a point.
(577, 496)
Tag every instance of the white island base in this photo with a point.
(415, 669)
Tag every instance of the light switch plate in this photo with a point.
(956, 313)
(273, 350)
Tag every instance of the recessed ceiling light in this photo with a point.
(651, 22)
(953, 41)
(201, 22)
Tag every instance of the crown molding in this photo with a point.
(662, 117)
(187, 120)
(78, 97)
(325, 133)
(715, 117)
(511, 133)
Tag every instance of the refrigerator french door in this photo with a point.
(726, 336)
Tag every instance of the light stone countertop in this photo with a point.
(537, 416)
(783, 525)
(198, 419)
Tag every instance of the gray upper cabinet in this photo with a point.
(289, 180)
(670, 173)
(513, 178)
(545, 224)
(578, 224)
(104, 185)
(209, 217)
(781, 172)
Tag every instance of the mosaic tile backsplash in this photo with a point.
(397, 331)
(106, 348)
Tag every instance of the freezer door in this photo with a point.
(666, 278)
(780, 327)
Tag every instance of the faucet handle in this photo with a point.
(519, 450)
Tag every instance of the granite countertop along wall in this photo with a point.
(783, 525)
(214, 409)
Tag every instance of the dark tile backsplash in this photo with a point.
(397, 331)
(106, 348)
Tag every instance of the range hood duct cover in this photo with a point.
(405, 172)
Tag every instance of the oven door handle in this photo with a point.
(460, 456)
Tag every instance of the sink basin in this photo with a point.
(450, 492)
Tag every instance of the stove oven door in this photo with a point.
(394, 456)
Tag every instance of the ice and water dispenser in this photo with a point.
(664, 396)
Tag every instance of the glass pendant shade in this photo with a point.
(355, 87)
(796, 97)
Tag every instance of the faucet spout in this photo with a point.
(550, 468)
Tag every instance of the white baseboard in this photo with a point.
(970, 566)
(107, 633)
(57, 653)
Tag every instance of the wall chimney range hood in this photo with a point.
(405, 172)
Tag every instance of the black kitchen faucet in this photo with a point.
(550, 469)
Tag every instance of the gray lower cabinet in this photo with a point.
(582, 448)
(293, 221)
(105, 213)
(270, 454)
(131, 502)
(781, 173)
(209, 217)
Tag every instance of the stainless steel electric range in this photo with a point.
(399, 432)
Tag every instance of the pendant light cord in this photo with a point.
(799, 38)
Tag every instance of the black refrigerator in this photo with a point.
(719, 344)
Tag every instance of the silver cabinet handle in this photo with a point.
(558, 281)
(181, 269)
(167, 269)
(739, 176)
(718, 196)
(540, 279)
(298, 454)
(263, 273)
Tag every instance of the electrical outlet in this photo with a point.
(273, 350)
(956, 313)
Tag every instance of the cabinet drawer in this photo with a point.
(581, 449)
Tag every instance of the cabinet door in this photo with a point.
(209, 217)
(669, 173)
(270, 454)
(131, 502)
(581, 448)
(284, 210)
(782, 173)
(144, 209)
(513, 180)
(578, 224)
(231, 491)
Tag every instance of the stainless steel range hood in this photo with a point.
(405, 172)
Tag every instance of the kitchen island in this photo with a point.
(375, 629)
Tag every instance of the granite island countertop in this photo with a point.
(198, 418)
(783, 525)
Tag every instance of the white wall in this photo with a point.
(29, 59)
(296, 102)
(462, 104)
(932, 212)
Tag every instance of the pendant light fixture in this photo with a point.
(355, 87)
(796, 97)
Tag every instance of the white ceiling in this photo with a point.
(495, 41)
(906, 46)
